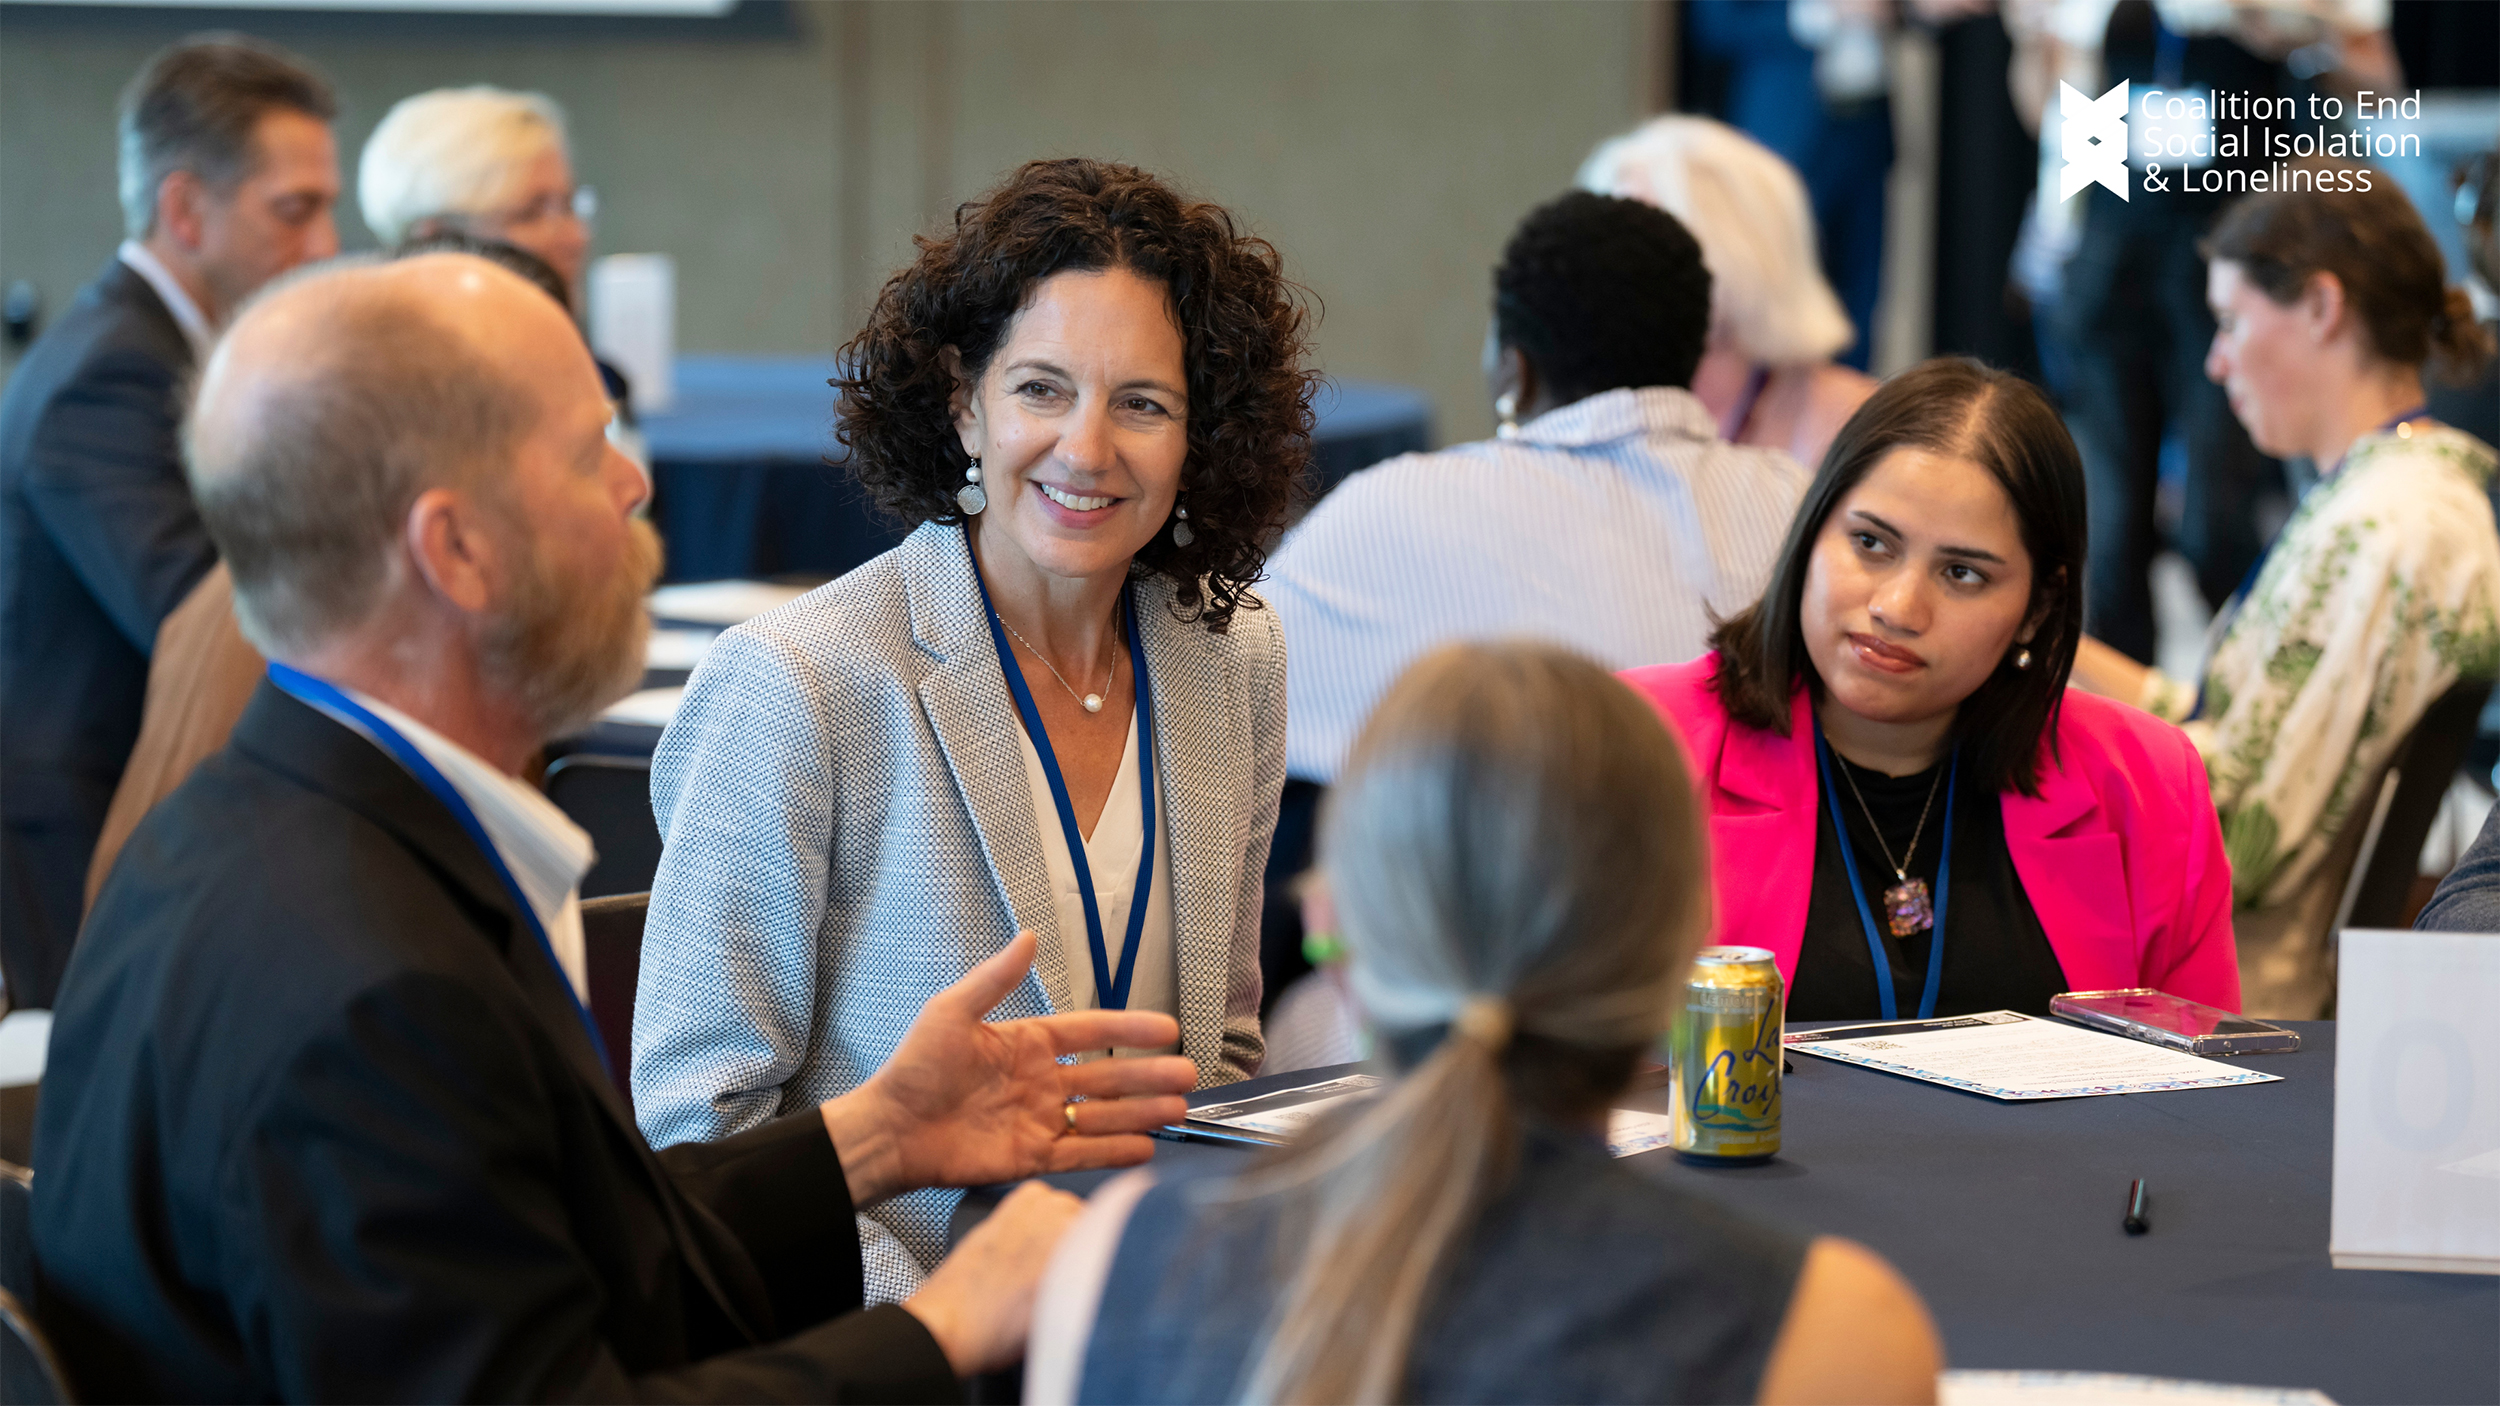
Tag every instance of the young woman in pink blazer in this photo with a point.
(1888, 752)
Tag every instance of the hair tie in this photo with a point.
(1485, 1020)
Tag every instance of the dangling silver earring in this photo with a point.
(1181, 535)
(2022, 658)
(1506, 410)
(972, 497)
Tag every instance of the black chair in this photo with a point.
(30, 1372)
(2379, 891)
(612, 950)
(611, 798)
(1281, 961)
(18, 1103)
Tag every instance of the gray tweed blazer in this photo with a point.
(849, 830)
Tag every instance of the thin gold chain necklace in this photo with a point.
(1092, 702)
(1909, 905)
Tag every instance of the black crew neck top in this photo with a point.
(1996, 956)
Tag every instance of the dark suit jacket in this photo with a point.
(2468, 900)
(321, 1123)
(99, 541)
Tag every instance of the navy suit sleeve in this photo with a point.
(104, 477)
(397, 1220)
(2468, 900)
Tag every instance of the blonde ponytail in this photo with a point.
(1515, 855)
(1392, 1190)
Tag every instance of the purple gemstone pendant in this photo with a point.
(1908, 908)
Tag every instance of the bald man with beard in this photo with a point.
(326, 1118)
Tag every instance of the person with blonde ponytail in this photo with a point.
(1518, 868)
(2381, 592)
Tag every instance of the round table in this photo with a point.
(2006, 1217)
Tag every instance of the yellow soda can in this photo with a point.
(1723, 1058)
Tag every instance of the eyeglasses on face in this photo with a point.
(580, 203)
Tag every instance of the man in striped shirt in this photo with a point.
(1608, 516)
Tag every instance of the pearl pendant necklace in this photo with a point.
(1091, 702)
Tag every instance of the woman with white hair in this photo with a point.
(483, 162)
(1775, 324)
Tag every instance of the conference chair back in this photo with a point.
(611, 798)
(612, 949)
(18, 1103)
(1281, 959)
(2379, 891)
(30, 1372)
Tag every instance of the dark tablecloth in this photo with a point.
(746, 479)
(2006, 1217)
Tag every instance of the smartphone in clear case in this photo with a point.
(2174, 1022)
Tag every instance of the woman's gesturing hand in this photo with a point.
(967, 1103)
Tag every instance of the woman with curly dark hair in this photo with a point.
(1054, 707)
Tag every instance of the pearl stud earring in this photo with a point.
(1181, 535)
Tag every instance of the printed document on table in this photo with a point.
(2010, 1056)
(1630, 1132)
(2038, 1388)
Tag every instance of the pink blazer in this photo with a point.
(2121, 853)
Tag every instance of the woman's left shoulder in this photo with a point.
(1256, 632)
(2450, 444)
(1252, 638)
(2422, 476)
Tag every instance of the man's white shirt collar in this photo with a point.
(187, 315)
(547, 853)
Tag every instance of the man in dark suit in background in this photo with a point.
(228, 177)
(324, 1117)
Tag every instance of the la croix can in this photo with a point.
(1723, 1058)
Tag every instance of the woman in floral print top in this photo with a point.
(2382, 590)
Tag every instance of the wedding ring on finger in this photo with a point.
(1068, 1110)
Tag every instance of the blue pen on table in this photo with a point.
(2137, 1222)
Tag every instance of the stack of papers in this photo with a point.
(2108, 1389)
(1275, 1117)
(2010, 1056)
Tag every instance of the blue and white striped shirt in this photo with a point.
(1615, 525)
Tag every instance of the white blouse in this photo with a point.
(1111, 856)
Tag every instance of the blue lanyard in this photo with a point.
(1110, 990)
(1857, 890)
(2239, 598)
(330, 698)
